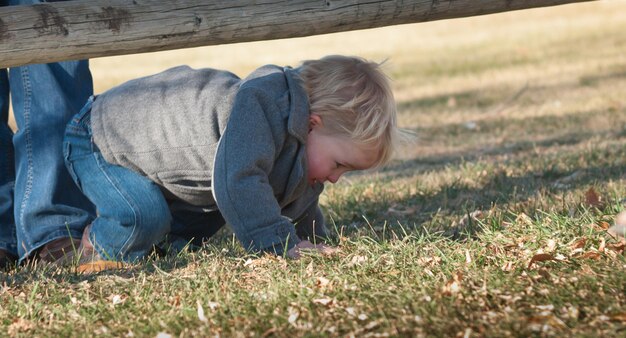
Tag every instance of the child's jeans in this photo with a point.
(132, 213)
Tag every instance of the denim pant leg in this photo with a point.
(47, 203)
(192, 227)
(7, 171)
(132, 212)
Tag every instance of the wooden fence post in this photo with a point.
(81, 29)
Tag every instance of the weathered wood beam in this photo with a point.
(82, 29)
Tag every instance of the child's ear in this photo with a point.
(315, 121)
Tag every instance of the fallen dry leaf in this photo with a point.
(576, 252)
(357, 260)
(453, 286)
(548, 307)
(593, 199)
(524, 219)
(117, 299)
(603, 318)
(618, 317)
(322, 282)
(175, 301)
(508, 266)
(545, 322)
(201, 312)
(603, 225)
(20, 325)
(578, 244)
(542, 257)
(591, 255)
(617, 247)
(293, 315)
(398, 210)
(323, 301)
(429, 261)
(269, 332)
(371, 325)
(571, 312)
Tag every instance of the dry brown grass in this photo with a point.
(493, 224)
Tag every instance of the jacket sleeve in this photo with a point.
(244, 159)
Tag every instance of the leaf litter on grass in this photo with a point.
(494, 223)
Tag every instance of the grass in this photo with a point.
(492, 224)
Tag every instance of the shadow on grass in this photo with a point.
(512, 135)
(518, 128)
(490, 96)
(37, 271)
(445, 208)
(593, 79)
(411, 167)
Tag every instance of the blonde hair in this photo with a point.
(354, 99)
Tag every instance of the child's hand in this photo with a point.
(304, 246)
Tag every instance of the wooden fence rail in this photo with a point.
(80, 29)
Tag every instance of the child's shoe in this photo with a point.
(90, 261)
(61, 251)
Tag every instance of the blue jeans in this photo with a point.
(132, 212)
(38, 199)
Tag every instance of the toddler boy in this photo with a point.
(181, 153)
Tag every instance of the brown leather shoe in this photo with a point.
(90, 261)
(61, 251)
(7, 260)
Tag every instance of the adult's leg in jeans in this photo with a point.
(8, 248)
(48, 205)
(132, 212)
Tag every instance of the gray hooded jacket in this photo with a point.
(213, 142)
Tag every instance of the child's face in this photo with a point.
(329, 156)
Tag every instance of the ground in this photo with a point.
(492, 223)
